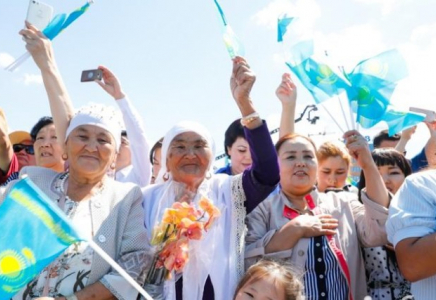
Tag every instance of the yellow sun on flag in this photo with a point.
(377, 68)
(326, 75)
(11, 264)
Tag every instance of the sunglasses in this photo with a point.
(28, 148)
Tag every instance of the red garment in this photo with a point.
(13, 168)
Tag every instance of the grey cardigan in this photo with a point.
(117, 219)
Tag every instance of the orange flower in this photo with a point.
(211, 210)
(186, 210)
(178, 255)
(193, 230)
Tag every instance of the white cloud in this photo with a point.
(387, 6)
(5, 59)
(32, 78)
(350, 45)
(307, 11)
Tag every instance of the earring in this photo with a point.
(166, 176)
(64, 156)
(208, 175)
(112, 166)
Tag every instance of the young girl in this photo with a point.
(384, 278)
(269, 279)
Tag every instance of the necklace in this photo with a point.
(63, 182)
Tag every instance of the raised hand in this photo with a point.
(358, 148)
(287, 91)
(111, 84)
(242, 80)
(38, 46)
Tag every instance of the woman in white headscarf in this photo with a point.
(216, 261)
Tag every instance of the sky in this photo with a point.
(171, 61)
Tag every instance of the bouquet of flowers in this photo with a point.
(180, 223)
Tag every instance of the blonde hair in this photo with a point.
(333, 149)
(282, 274)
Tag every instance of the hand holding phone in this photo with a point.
(91, 75)
(39, 14)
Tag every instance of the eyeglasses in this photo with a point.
(28, 148)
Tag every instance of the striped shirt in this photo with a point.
(323, 278)
(412, 213)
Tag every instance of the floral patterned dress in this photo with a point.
(70, 271)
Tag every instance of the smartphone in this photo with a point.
(39, 14)
(91, 75)
(430, 116)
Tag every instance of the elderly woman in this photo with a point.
(132, 160)
(105, 211)
(186, 165)
(320, 234)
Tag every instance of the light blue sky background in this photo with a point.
(171, 61)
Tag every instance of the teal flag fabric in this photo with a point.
(62, 21)
(34, 232)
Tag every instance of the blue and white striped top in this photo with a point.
(323, 278)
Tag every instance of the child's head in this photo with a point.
(270, 280)
(392, 166)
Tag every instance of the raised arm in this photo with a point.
(287, 94)
(6, 150)
(406, 135)
(359, 150)
(60, 104)
(139, 146)
(430, 147)
(261, 179)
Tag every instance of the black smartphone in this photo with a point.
(91, 75)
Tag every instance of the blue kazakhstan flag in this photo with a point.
(321, 81)
(34, 232)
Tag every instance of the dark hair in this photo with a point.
(384, 136)
(233, 132)
(292, 136)
(44, 121)
(282, 275)
(124, 133)
(387, 157)
(156, 146)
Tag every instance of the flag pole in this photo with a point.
(120, 270)
(353, 124)
(340, 102)
(331, 117)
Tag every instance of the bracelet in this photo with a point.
(71, 297)
(250, 118)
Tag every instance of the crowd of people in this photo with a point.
(284, 221)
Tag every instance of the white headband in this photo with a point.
(98, 115)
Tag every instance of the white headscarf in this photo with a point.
(201, 252)
(98, 115)
(182, 127)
